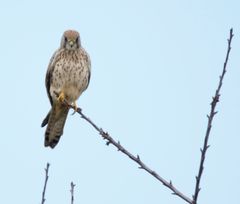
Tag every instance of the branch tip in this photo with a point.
(215, 100)
(45, 183)
(72, 192)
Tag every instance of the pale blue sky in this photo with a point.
(155, 67)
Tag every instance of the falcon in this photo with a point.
(67, 76)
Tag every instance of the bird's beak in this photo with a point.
(71, 43)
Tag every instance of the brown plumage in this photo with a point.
(68, 75)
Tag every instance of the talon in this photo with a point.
(61, 97)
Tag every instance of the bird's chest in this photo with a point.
(66, 74)
(69, 76)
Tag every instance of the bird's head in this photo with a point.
(70, 40)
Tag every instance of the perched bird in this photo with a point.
(68, 75)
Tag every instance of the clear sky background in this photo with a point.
(155, 67)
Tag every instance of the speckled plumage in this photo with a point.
(69, 73)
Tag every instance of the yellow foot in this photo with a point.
(61, 97)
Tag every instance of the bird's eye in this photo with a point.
(66, 39)
(77, 39)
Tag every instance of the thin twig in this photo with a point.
(45, 183)
(210, 117)
(136, 159)
(72, 192)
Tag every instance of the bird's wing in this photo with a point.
(88, 63)
(48, 78)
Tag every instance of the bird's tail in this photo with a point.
(45, 121)
(55, 119)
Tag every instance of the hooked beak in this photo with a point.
(71, 43)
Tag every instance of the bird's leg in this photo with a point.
(61, 97)
(75, 107)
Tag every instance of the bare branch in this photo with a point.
(210, 117)
(142, 165)
(72, 192)
(136, 159)
(45, 183)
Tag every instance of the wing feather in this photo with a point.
(88, 62)
(48, 78)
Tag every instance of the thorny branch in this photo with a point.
(142, 165)
(72, 192)
(137, 159)
(210, 117)
(45, 183)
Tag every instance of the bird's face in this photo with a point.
(70, 40)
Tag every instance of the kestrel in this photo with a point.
(68, 75)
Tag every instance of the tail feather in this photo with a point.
(56, 120)
(45, 121)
